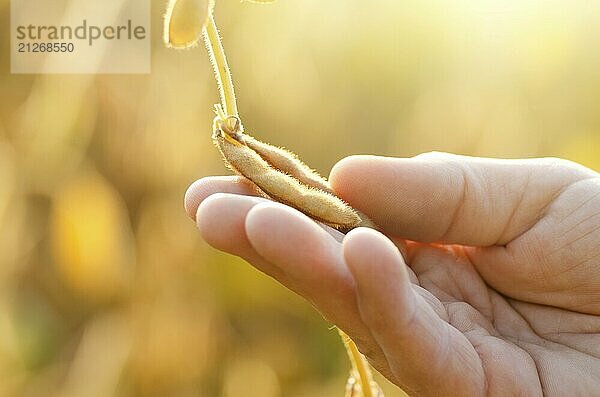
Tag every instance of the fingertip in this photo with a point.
(264, 216)
(193, 198)
(371, 184)
(204, 187)
(220, 219)
(379, 272)
(344, 172)
(270, 224)
(357, 242)
(366, 247)
(206, 215)
(286, 236)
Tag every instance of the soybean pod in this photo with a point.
(282, 176)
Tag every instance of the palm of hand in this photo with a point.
(525, 348)
(513, 310)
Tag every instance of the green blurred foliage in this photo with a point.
(106, 288)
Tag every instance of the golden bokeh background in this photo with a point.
(106, 288)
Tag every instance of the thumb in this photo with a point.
(440, 197)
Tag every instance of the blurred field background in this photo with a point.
(106, 288)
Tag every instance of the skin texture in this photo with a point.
(485, 282)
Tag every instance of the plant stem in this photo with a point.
(220, 67)
(223, 76)
(359, 364)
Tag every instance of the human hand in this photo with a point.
(488, 282)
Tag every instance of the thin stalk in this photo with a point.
(359, 364)
(228, 108)
(220, 67)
